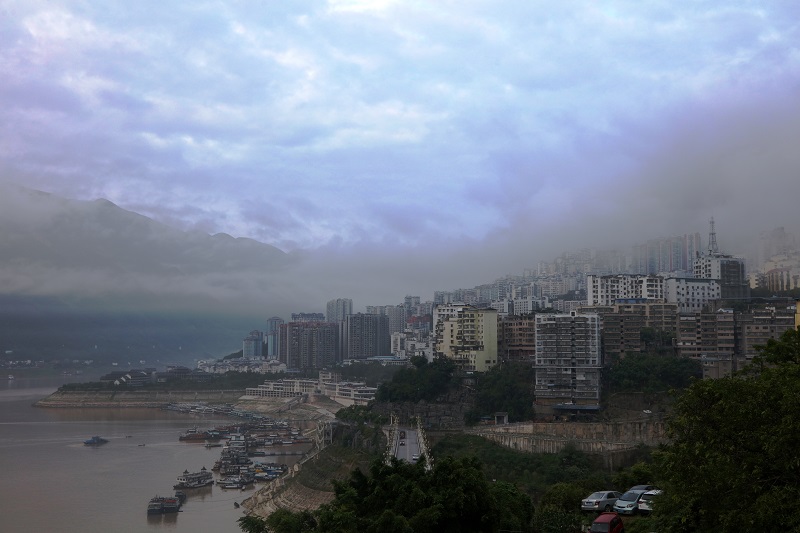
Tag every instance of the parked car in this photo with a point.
(607, 523)
(646, 501)
(600, 501)
(628, 503)
(643, 487)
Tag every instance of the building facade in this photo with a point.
(467, 335)
(338, 309)
(568, 360)
(306, 345)
(365, 335)
(606, 290)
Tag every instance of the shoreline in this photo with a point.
(143, 399)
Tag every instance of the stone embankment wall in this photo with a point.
(433, 415)
(136, 398)
(601, 438)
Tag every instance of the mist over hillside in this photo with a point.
(80, 278)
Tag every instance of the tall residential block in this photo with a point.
(365, 335)
(467, 335)
(568, 361)
(306, 345)
(518, 339)
(606, 290)
(252, 345)
(271, 336)
(338, 309)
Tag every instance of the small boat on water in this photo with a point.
(94, 441)
(11, 376)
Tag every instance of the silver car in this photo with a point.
(646, 501)
(628, 503)
(600, 501)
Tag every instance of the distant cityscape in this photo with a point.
(567, 318)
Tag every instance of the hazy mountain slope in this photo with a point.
(54, 246)
(76, 274)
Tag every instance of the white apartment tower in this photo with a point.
(606, 290)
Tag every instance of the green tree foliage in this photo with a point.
(373, 374)
(507, 388)
(640, 473)
(657, 341)
(551, 519)
(564, 496)
(652, 373)
(360, 414)
(733, 462)
(532, 472)
(405, 498)
(779, 352)
(423, 381)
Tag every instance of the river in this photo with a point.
(52, 482)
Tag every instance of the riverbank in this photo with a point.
(125, 399)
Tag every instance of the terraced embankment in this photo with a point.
(309, 484)
(105, 398)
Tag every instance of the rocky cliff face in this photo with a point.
(447, 413)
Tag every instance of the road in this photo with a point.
(405, 449)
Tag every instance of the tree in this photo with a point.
(652, 373)
(778, 352)
(405, 498)
(733, 462)
(424, 381)
(508, 388)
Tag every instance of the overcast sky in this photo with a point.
(490, 133)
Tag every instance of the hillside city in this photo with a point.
(567, 318)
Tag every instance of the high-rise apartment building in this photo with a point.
(252, 345)
(338, 309)
(729, 271)
(674, 254)
(518, 339)
(365, 335)
(691, 295)
(467, 335)
(606, 290)
(568, 361)
(271, 336)
(306, 345)
(308, 317)
(622, 325)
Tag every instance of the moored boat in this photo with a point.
(155, 506)
(193, 480)
(161, 505)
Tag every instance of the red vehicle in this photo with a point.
(607, 523)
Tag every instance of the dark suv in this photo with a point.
(607, 523)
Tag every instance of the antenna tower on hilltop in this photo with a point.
(712, 240)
